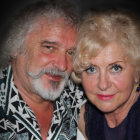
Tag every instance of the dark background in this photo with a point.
(9, 8)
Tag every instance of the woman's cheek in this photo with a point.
(88, 83)
(119, 81)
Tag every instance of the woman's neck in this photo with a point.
(116, 117)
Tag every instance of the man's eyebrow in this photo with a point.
(74, 48)
(49, 42)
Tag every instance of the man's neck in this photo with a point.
(43, 110)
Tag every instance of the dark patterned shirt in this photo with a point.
(18, 122)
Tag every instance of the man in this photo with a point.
(37, 57)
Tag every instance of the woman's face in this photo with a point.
(109, 80)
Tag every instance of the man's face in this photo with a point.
(47, 62)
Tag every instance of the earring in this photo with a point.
(138, 87)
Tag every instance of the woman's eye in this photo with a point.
(91, 69)
(116, 68)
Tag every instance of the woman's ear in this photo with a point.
(137, 81)
(137, 77)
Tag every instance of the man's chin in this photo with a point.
(51, 91)
(51, 96)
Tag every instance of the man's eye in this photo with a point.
(49, 47)
(91, 69)
(116, 68)
(71, 52)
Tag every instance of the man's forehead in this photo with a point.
(56, 33)
(54, 28)
(60, 22)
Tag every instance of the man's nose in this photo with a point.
(61, 61)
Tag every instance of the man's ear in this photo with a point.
(15, 54)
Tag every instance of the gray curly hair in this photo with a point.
(24, 22)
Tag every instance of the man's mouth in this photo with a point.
(55, 78)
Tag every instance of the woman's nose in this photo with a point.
(104, 82)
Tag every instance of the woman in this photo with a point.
(108, 65)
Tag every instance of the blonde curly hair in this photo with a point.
(100, 28)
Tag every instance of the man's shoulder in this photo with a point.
(3, 73)
(67, 110)
(74, 93)
(4, 82)
(73, 88)
(3, 77)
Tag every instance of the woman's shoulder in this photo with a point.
(135, 109)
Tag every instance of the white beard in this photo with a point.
(49, 93)
(55, 88)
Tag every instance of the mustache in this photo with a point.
(50, 71)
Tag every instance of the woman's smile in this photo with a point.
(105, 97)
